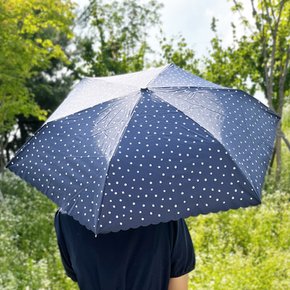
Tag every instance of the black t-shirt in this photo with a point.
(137, 259)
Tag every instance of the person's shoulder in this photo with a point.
(182, 254)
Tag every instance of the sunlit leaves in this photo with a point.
(23, 49)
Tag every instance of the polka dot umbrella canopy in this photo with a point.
(148, 147)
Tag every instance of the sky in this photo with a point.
(192, 19)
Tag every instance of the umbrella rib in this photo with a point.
(257, 196)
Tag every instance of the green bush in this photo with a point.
(244, 248)
(29, 257)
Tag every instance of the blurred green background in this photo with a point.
(46, 46)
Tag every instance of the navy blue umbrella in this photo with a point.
(148, 147)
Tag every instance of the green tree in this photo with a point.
(227, 65)
(259, 60)
(272, 33)
(24, 50)
(177, 50)
(116, 40)
(49, 87)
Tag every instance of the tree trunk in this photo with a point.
(272, 160)
(2, 154)
(278, 155)
(281, 95)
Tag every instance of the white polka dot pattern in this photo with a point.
(238, 121)
(182, 146)
(179, 171)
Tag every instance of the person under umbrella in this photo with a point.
(155, 257)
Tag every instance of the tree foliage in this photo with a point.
(258, 61)
(227, 65)
(24, 49)
(29, 256)
(116, 40)
(176, 50)
(269, 37)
